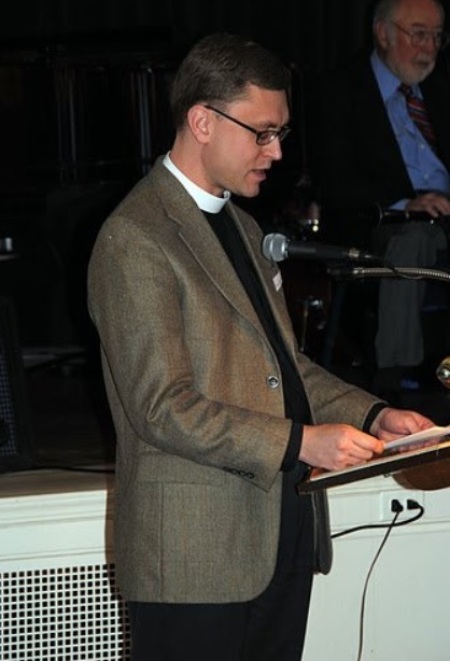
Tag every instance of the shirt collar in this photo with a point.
(387, 81)
(204, 200)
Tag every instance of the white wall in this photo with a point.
(55, 563)
(407, 611)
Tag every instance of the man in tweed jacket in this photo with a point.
(217, 414)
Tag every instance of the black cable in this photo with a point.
(392, 524)
(411, 505)
(397, 270)
(363, 601)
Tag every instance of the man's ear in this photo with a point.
(199, 121)
(380, 30)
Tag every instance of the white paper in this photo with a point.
(437, 433)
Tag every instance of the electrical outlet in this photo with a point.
(386, 511)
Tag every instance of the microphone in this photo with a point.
(277, 247)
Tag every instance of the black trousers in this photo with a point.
(271, 627)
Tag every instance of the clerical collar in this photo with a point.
(204, 200)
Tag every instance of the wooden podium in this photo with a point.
(405, 466)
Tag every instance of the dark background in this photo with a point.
(83, 114)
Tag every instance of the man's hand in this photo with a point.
(394, 423)
(435, 204)
(334, 447)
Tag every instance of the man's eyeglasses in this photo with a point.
(419, 36)
(264, 137)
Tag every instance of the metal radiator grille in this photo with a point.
(62, 614)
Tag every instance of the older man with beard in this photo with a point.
(370, 153)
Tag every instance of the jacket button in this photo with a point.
(273, 381)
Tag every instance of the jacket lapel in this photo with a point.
(269, 274)
(199, 238)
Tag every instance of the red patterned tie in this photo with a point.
(418, 113)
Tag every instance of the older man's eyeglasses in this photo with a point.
(419, 36)
(264, 137)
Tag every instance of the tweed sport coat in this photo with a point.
(195, 393)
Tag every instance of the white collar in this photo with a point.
(204, 200)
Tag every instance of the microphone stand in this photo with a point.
(407, 272)
(346, 272)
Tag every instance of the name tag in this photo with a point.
(278, 281)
